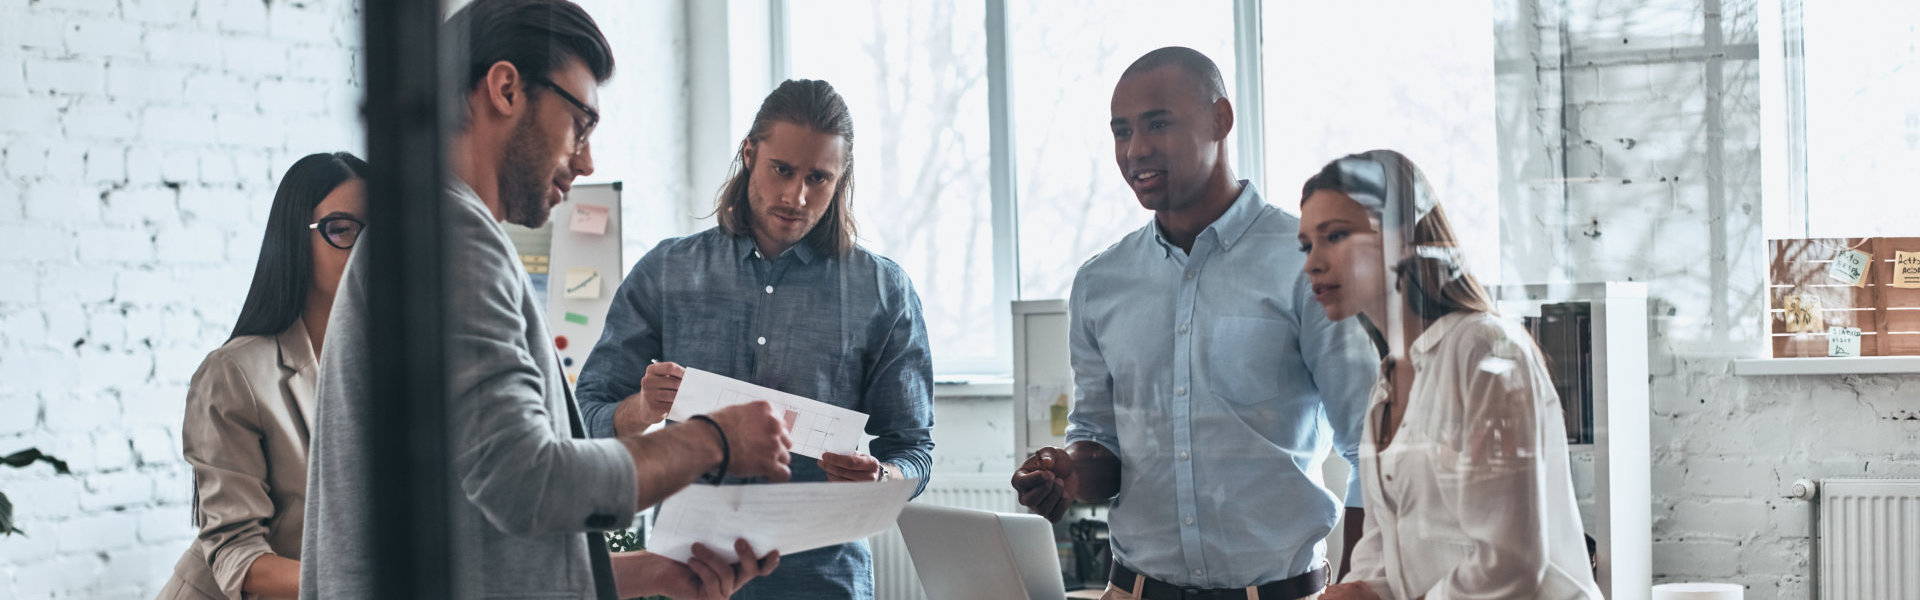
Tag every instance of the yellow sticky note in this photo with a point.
(1906, 269)
(583, 283)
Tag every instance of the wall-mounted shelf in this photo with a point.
(1852, 365)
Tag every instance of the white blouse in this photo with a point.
(1473, 497)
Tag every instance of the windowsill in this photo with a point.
(972, 386)
(1858, 365)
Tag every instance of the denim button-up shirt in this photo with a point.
(1218, 381)
(846, 331)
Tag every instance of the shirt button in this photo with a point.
(1189, 274)
(763, 340)
(1197, 572)
(769, 289)
(1190, 522)
(1183, 328)
(1180, 391)
(756, 254)
(1183, 455)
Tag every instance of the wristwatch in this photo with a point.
(883, 472)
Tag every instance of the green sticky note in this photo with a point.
(574, 317)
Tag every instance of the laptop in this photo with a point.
(966, 554)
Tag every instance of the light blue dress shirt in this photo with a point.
(844, 330)
(1218, 381)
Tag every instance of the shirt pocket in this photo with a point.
(1244, 355)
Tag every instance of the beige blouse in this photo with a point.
(246, 434)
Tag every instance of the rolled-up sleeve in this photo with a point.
(1344, 367)
(899, 386)
(512, 465)
(628, 342)
(221, 439)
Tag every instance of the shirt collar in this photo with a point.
(1438, 330)
(803, 250)
(1231, 224)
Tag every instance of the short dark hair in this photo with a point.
(285, 269)
(535, 36)
(1196, 66)
(814, 104)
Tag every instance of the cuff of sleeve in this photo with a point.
(1112, 446)
(1354, 499)
(620, 489)
(233, 561)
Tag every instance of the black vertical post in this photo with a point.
(409, 498)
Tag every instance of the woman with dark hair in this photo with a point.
(250, 406)
(1463, 464)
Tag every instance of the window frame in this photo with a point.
(1002, 162)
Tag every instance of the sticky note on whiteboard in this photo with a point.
(1850, 267)
(1906, 269)
(583, 283)
(589, 219)
(1843, 341)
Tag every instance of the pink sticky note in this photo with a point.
(589, 219)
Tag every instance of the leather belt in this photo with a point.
(1300, 586)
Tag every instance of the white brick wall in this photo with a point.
(1725, 448)
(140, 142)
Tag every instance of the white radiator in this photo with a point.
(893, 575)
(1869, 539)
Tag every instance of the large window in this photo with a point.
(920, 82)
(914, 76)
(917, 78)
(1420, 82)
(1843, 123)
(1066, 58)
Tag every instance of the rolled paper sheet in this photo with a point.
(1698, 591)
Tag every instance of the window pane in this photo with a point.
(1066, 58)
(1340, 79)
(914, 76)
(1862, 117)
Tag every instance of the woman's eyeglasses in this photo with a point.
(340, 231)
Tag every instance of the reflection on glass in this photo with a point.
(914, 75)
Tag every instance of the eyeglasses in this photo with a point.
(593, 116)
(340, 231)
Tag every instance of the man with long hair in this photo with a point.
(779, 294)
(532, 495)
(1206, 381)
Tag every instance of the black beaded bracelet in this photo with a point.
(726, 453)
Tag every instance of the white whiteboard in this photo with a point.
(551, 252)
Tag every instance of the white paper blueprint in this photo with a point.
(789, 517)
(815, 426)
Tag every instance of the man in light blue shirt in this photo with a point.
(1207, 381)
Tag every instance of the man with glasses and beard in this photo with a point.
(779, 295)
(532, 493)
